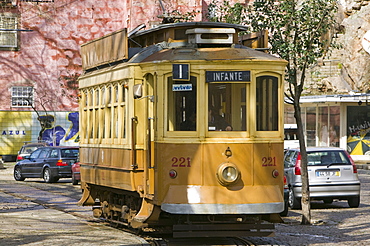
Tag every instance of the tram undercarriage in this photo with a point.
(122, 208)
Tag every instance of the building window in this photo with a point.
(22, 96)
(8, 33)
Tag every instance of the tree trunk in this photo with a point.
(306, 209)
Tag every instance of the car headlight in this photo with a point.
(227, 174)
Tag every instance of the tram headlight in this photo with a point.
(227, 174)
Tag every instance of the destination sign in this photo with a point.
(227, 76)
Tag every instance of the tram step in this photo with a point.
(223, 230)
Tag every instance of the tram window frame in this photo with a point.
(176, 122)
(107, 110)
(269, 97)
(230, 109)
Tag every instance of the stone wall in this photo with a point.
(345, 69)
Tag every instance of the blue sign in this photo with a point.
(183, 87)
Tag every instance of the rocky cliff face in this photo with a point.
(355, 60)
(347, 68)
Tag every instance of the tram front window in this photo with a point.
(267, 108)
(227, 107)
(182, 101)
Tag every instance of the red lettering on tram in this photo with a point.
(181, 162)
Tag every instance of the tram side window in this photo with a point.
(267, 103)
(182, 105)
(227, 107)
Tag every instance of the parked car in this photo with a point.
(332, 175)
(286, 198)
(76, 177)
(49, 163)
(28, 148)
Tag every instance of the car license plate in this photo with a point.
(327, 173)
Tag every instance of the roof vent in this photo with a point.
(210, 35)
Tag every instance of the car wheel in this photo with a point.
(328, 200)
(294, 202)
(74, 181)
(285, 211)
(354, 201)
(47, 176)
(18, 174)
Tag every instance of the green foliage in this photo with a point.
(298, 31)
(188, 16)
(236, 14)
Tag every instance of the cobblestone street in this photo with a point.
(23, 222)
(28, 223)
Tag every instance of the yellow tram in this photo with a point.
(181, 126)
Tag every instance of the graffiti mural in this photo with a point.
(16, 128)
(61, 132)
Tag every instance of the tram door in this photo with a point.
(182, 104)
(151, 122)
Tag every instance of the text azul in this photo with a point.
(10, 132)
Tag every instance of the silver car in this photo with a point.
(332, 175)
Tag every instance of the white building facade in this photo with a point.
(336, 120)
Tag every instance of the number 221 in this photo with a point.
(181, 162)
(268, 161)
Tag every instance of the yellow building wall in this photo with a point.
(15, 129)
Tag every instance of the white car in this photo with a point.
(332, 175)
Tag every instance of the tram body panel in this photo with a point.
(197, 190)
(115, 172)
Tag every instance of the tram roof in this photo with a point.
(190, 25)
(232, 54)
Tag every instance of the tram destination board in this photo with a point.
(227, 76)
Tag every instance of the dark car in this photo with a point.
(76, 177)
(286, 198)
(28, 148)
(49, 163)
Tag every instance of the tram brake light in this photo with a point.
(61, 163)
(275, 173)
(173, 174)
